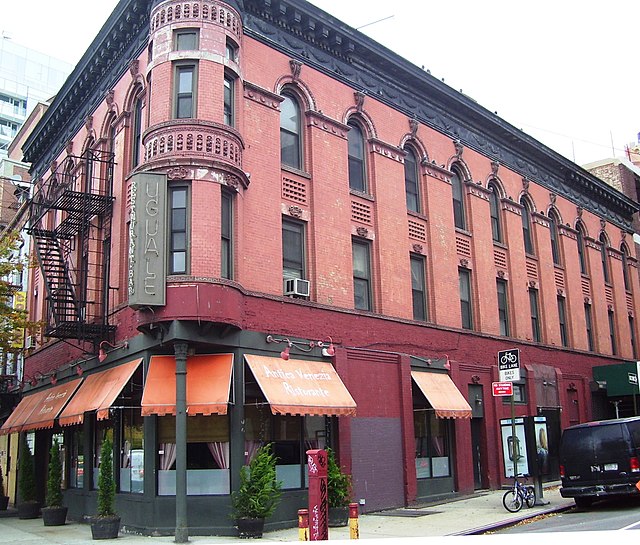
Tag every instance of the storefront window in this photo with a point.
(289, 443)
(76, 475)
(207, 455)
(104, 429)
(63, 457)
(132, 452)
(432, 444)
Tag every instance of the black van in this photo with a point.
(599, 459)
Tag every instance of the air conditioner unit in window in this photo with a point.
(296, 286)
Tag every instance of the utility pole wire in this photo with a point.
(374, 22)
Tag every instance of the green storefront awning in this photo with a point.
(621, 379)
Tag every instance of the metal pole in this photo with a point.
(182, 531)
(514, 450)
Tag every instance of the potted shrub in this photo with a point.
(4, 499)
(55, 513)
(258, 495)
(106, 524)
(339, 489)
(28, 506)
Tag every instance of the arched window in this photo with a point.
(494, 208)
(357, 166)
(582, 256)
(290, 132)
(136, 132)
(554, 220)
(604, 244)
(411, 180)
(526, 226)
(458, 199)
(625, 266)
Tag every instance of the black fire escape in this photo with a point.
(70, 225)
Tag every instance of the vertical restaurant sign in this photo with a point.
(317, 463)
(19, 303)
(147, 240)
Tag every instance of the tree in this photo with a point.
(54, 490)
(26, 473)
(106, 483)
(260, 491)
(13, 321)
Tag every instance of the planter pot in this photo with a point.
(54, 516)
(338, 516)
(250, 527)
(28, 510)
(105, 527)
(4, 503)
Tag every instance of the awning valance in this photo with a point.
(208, 385)
(97, 393)
(301, 387)
(20, 414)
(39, 410)
(443, 394)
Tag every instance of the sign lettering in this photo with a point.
(147, 240)
(318, 495)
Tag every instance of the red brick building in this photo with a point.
(241, 198)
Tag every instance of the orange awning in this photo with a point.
(301, 387)
(40, 410)
(17, 418)
(97, 393)
(443, 394)
(208, 385)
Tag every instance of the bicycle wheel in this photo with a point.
(512, 501)
(530, 496)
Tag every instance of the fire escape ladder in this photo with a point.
(70, 224)
(63, 303)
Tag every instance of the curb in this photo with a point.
(510, 522)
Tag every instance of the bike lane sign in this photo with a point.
(509, 365)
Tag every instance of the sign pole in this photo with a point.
(509, 370)
(513, 434)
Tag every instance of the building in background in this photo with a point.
(27, 77)
(255, 224)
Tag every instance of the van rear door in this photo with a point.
(598, 454)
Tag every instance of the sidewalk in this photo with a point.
(468, 515)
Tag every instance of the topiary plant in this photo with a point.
(259, 492)
(338, 483)
(4, 499)
(106, 483)
(1, 481)
(54, 481)
(26, 474)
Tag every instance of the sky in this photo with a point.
(563, 71)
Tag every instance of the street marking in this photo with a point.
(631, 526)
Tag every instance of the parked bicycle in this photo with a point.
(518, 495)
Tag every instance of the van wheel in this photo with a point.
(583, 502)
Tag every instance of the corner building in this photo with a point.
(255, 224)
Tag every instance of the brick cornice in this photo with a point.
(386, 150)
(438, 172)
(262, 96)
(327, 124)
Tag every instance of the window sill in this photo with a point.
(294, 170)
(464, 232)
(418, 215)
(362, 195)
